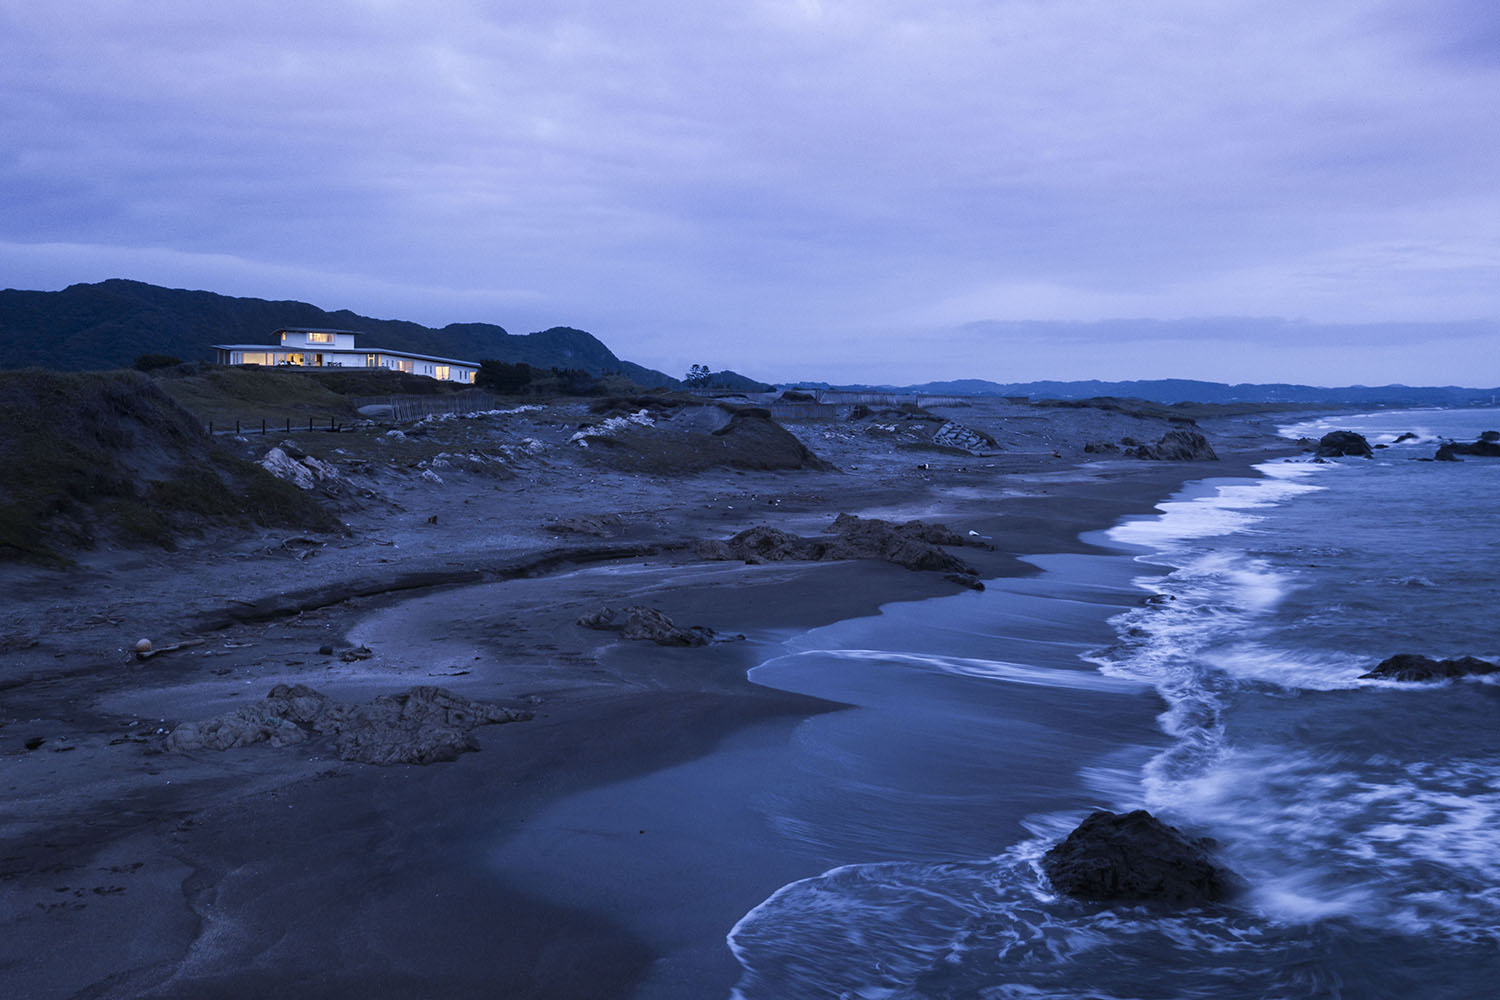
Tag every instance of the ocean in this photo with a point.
(1207, 670)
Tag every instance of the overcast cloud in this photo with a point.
(873, 190)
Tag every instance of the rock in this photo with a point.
(287, 461)
(651, 625)
(143, 645)
(1100, 447)
(1408, 436)
(602, 619)
(595, 525)
(1136, 858)
(966, 439)
(325, 650)
(913, 544)
(1337, 444)
(964, 580)
(1484, 447)
(1411, 667)
(1178, 446)
(421, 726)
(357, 653)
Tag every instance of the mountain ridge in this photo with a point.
(1196, 391)
(108, 324)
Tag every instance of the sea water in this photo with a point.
(1362, 815)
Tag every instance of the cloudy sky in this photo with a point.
(871, 190)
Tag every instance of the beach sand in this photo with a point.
(603, 848)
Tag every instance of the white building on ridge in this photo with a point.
(315, 348)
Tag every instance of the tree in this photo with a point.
(698, 375)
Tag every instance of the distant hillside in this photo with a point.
(1172, 390)
(111, 323)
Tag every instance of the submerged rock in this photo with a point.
(1337, 444)
(1135, 858)
(1411, 667)
(421, 726)
(1178, 446)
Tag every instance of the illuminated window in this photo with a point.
(256, 358)
(320, 338)
(442, 372)
(403, 365)
(296, 358)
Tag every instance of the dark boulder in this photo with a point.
(1410, 667)
(1178, 446)
(1408, 436)
(1337, 444)
(1135, 858)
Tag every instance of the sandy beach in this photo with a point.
(602, 848)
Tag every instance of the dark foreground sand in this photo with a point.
(129, 870)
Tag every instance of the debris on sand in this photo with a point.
(649, 625)
(421, 726)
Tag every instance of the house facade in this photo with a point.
(317, 348)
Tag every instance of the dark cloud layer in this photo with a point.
(854, 190)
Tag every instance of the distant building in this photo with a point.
(310, 348)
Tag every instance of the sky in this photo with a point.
(865, 191)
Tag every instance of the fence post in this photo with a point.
(210, 428)
(262, 426)
(236, 428)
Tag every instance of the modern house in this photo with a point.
(310, 348)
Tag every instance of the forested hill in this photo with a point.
(111, 323)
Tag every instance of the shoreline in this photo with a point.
(191, 917)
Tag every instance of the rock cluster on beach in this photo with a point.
(1411, 667)
(916, 545)
(1136, 858)
(421, 726)
(1178, 446)
(648, 625)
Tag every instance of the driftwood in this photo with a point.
(146, 654)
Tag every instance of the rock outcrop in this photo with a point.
(1411, 667)
(287, 461)
(1337, 444)
(1135, 858)
(960, 438)
(648, 625)
(1178, 446)
(916, 545)
(421, 726)
(1487, 446)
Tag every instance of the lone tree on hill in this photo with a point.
(697, 375)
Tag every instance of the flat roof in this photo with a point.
(273, 348)
(314, 329)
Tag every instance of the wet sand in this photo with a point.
(129, 871)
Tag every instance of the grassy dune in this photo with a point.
(108, 456)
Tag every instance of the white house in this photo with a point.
(335, 349)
